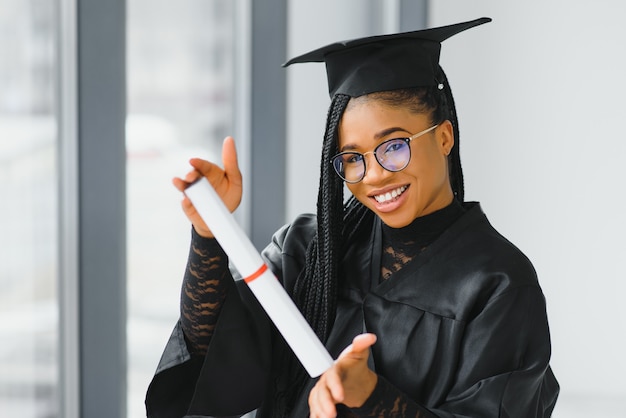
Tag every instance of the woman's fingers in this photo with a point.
(362, 343)
(321, 400)
(334, 385)
(349, 381)
(180, 184)
(229, 160)
(204, 168)
(359, 347)
(215, 174)
(227, 183)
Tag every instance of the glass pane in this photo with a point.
(28, 211)
(180, 66)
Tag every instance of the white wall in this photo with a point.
(540, 95)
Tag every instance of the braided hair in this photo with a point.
(315, 290)
(454, 159)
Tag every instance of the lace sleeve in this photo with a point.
(203, 292)
(389, 402)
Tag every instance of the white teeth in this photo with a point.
(382, 198)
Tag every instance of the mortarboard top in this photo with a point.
(384, 62)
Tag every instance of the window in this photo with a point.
(28, 211)
(180, 101)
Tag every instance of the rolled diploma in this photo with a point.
(262, 282)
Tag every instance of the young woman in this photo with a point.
(428, 310)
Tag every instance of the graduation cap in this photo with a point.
(384, 62)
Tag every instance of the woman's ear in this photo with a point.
(445, 136)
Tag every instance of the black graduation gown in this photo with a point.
(462, 330)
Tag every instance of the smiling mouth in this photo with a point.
(390, 196)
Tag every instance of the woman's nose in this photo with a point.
(374, 172)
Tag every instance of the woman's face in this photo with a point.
(423, 186)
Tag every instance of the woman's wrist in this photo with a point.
(369, 387)
(376, 393)
(203, 233)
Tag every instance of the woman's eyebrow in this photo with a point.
(388, 131)
(377, 136)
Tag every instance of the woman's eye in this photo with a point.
(353, 159)
(394, 146)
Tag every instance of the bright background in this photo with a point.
(539, 93)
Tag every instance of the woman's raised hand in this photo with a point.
(226, 182)
(349, 381)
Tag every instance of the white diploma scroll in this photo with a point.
(262, 282)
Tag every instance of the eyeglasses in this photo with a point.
(392, 155)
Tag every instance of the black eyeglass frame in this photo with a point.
(406, 140)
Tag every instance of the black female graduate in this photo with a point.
(428, 310)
